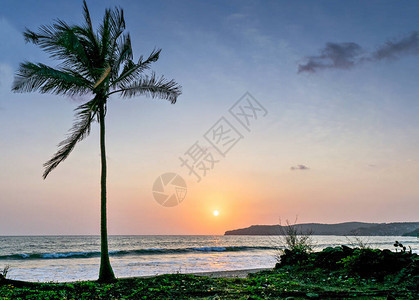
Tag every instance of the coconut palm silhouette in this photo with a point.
(95, 63)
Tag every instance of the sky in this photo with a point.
(333, 137)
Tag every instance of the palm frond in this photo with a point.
(117, 27)
(123, 54)
(120, 45)
(104, 34)
(31, 77)
(86, 15)
(71, 44)
(124, 49)
(152, 87)
(81, 128)
(132, 71)
(58, 40)
(87, 30)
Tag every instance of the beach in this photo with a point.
(231, 274)
(74, 258)
(311, 277)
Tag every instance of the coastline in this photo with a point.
(211, 274)
(70, 259)
(317, 275)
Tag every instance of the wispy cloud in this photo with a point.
(336, 56)
(249, 29)
(299, 167)
(408, 45)
(348, 55)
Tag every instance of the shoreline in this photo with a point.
(229, 274)
(211, 274)
(315, 275)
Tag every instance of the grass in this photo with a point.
(265, 285)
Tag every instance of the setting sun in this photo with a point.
(215, 213)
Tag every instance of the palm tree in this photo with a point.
(97, 64)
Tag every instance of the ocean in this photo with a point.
(72, 258)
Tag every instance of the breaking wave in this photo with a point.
(152, 251)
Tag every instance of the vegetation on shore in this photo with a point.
(339, 272)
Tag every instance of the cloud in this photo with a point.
(394, 49)
(336, 56)
(349, 55)
(299, 167)
(236, 16)
(248, 29)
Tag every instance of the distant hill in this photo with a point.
(348, 228)
(412, 233)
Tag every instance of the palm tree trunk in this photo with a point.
(105, 273)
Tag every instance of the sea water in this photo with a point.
(72, 258)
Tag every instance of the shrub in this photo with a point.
(376, 263)
(295, 239)
(330, 257)
(3, 273)
(298, 244)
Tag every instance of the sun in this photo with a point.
(215, 213)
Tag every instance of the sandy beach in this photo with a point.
(219, 274)
(230, 274)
